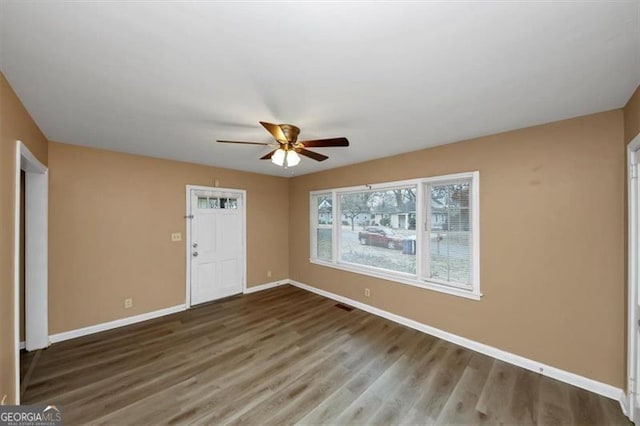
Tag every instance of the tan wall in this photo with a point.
(110, 220)
(15, 124)
(552, 233)
(632, 117)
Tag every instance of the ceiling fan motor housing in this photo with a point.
(291, 132)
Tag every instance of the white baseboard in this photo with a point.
(591, 385)
(59, 337)
(624, 404)
(265, 286)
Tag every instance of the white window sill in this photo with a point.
(400, 278)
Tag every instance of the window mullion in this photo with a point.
(474, 204)
(335, 233)
(448, 235)
(419, 228)
(426, 272)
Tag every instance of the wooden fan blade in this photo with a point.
(318, 143)
(311, 154)
(275, 131)
(246, 143)
(269, 155)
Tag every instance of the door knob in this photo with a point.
(195, 245)
(195, 254)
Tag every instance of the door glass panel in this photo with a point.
(205, 202)
(209, 202)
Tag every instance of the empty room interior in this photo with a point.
(320, 212)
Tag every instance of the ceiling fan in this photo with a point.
(286, 153)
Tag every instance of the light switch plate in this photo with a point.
(176, 236)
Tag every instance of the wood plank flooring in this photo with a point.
(287, 356)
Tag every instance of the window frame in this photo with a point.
(423, 219)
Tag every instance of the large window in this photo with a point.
(379, 229)
(422, 232)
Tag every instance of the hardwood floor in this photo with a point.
(285, 356)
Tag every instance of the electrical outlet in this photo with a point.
(128, 303)
(269, 273)
(367, 292)
(176, 236)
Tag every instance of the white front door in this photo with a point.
(216, 244)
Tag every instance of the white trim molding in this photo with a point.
(36, 193)
(85, 331)
(16, 275)
(265, 286)
(632, 403)
(591, 385)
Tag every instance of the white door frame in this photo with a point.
(633, 159)
(36, 255)
(188, 218)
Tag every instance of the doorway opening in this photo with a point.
(216, 243)
(32, 185)
(632, 402)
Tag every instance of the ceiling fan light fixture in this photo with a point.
(278, 157)
(286, 158)
(292, 159)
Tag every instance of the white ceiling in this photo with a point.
(167, 79)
